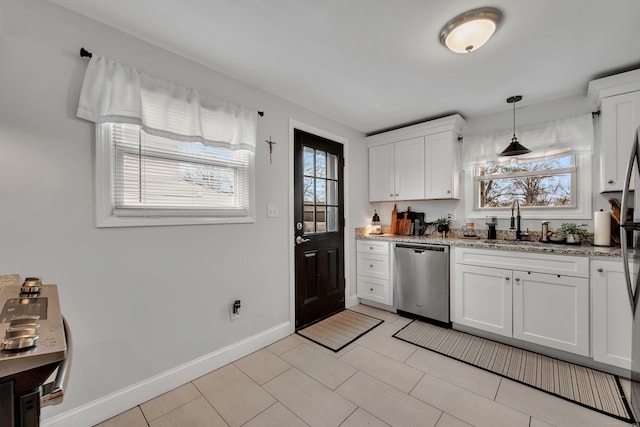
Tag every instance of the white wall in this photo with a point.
(541, 112)
(140, 301)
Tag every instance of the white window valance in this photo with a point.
(112, 92)
(543, 139)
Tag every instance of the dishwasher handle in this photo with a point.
(423, 248)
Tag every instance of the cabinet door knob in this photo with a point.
(396, 194)
(506, 278)
(370, 265)
(610, 181)
(371, 289)
(600, 270)
(391, 195)
(448, 191)
(517, 279)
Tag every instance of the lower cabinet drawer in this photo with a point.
(376, 266)
(374, 290)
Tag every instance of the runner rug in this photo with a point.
(587, 387)
(341, 329)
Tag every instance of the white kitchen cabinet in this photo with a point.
(442, 166)
(611, 316)
(382, 173)
(534, 297)
(483, 298)
(398, 171)
(551, 310)
(620, 117)
(417, 162)
(374, 267)
(618, 98)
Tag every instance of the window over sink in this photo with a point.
(535, 183)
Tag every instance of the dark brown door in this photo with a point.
(319, 227)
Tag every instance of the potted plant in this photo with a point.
(443, 224)
(573, 232)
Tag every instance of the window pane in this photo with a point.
(320, 219)
(528, 166)
(321, 191)
(332, 218)
(176, 177)
(309, 190)
(332, 166)
(309, 219)
(307, 158)
(548, 190)
(321, 164)
(332, 192)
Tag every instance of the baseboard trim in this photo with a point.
(122, 400)
(352, 300)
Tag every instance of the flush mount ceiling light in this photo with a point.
(472, 29)
(514, 148)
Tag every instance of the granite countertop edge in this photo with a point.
(538, 247)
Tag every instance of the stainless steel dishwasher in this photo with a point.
(421, 281)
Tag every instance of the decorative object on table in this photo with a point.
(602, 228)
(270, 142)
(394, 220)
(573, 232)
(442, 224)
(376, 227)
(544, 234)
(469, 229)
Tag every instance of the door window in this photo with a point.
(320, 191)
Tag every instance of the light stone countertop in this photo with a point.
(550, 248)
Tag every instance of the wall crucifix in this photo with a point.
(270, 142)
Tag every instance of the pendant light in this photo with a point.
(514, 148)
(470, 30)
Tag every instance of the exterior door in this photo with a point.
(319, 227)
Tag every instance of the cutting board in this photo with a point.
(404, 225)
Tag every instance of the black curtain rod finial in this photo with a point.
(84, 53)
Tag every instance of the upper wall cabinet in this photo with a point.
(396, 171)
(417, 162)
(618, 98)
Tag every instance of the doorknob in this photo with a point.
(299, 240)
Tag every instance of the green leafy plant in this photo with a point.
(443, 223)
(443, 220)
(567, 228)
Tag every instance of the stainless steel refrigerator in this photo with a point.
(629, 239)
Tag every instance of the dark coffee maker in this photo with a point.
(491, 231)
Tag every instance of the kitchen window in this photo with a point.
(166, 154)
(535, 183)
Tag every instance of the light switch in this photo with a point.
(272, 210)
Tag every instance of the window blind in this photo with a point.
(158, 176)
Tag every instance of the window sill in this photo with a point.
(116, 221)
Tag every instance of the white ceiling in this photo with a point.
(377, 64)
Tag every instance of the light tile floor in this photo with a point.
(375, 381)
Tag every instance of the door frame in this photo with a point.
(294, 124)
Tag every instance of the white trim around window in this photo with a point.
(581, 210)
(106, 215)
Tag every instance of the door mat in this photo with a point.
(341, 329)
(587, 387)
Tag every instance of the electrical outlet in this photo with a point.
(234, 311)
